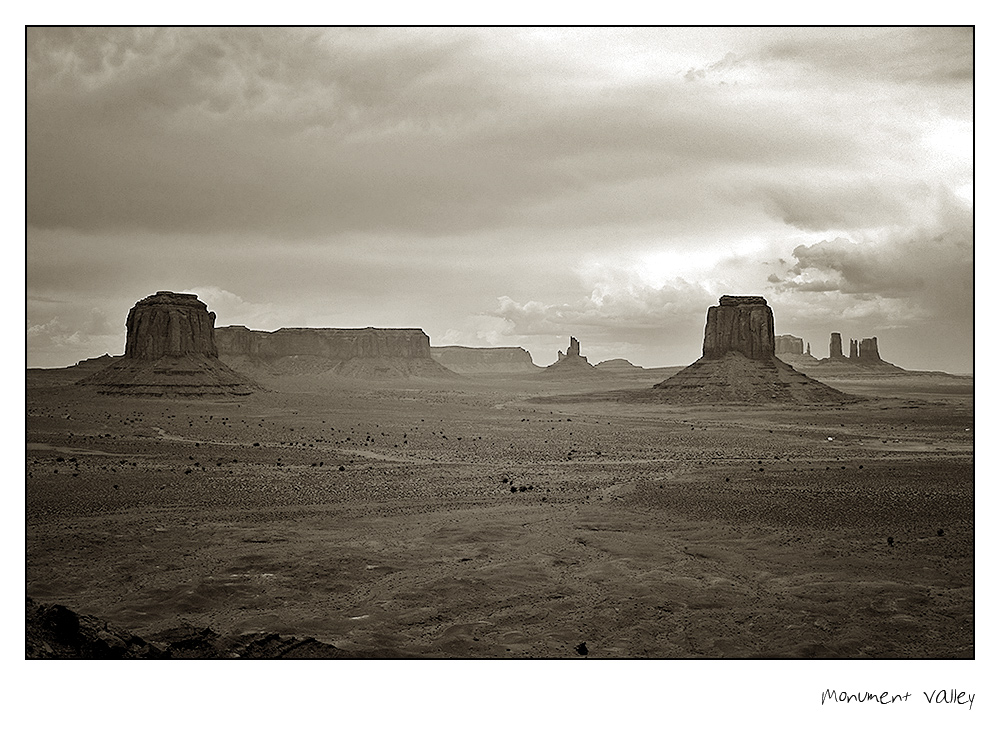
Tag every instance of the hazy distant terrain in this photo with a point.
(474, 517)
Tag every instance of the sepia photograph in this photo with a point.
(505, 343)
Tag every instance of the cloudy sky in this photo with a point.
(505, 186)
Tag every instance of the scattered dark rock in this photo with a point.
(54, 631)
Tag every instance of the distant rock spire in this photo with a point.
(572, 360)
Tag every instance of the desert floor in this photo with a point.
(503, 518)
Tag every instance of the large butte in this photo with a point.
(738, 365)
(170, 351)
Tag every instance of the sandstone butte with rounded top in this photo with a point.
(169, 324)
(170, 350)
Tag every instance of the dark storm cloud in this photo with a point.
(831, 204)
(308, 132)
(929, 266)
(352, 177)
(203, 130)
(859, 268)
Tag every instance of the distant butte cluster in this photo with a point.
(173, 348)
(865, 351)
(863, 355)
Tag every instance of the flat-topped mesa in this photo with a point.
(169, 324)
(743, 324)
(787, 344)
(329, 343)
(789, 348)
(619, 363)
(462, 359)
(368, 352)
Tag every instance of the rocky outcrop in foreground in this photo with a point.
(56, 632)
(170, 350)
(362, 353)
(475, 360)
(738, 364)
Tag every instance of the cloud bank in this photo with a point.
(469, 179)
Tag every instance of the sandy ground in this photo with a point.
(485, 518)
